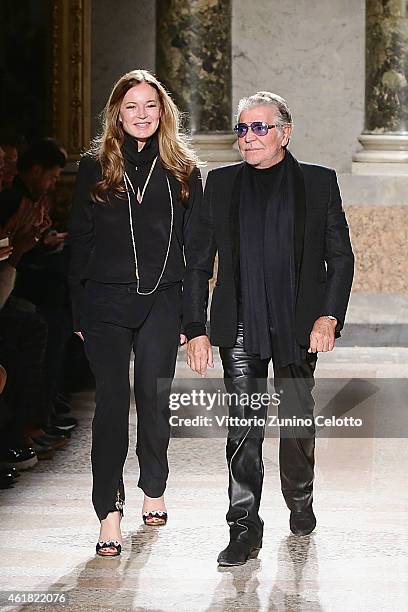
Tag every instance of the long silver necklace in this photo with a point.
(128, 183)
(139, 195)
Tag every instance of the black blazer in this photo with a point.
(323, 255)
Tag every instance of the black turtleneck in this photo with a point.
(266, 177)
(100, 236)
(138, 163)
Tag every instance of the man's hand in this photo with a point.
(322, 335)
(199, 355)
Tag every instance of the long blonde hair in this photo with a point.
(175, 153)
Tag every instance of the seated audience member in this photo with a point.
(41, 281)
(23, 337)
(22, 345)
(38, 170)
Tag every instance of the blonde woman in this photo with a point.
(136, 202)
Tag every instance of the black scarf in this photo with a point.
(267, 259)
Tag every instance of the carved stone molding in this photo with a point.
(71, 72)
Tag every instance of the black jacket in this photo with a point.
(323, 256)
(100, 238)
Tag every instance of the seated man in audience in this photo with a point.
(41, 285)
(22, 346)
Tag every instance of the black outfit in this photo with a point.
(115, 318)
(284, 260)
(100, 234)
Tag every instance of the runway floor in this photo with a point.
(357, 558)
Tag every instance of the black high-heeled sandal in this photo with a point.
(155, 518)
(109, 544)
(112, 543)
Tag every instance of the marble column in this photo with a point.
(385, 135)
(193, 60)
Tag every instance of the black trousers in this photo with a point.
(117, 320)
(247, 374)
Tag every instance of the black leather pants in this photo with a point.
(247, 374)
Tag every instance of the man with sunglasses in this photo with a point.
(285, 269)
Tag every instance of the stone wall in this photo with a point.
(123, 38)
(379, 235)
(312, 53)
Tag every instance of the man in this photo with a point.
(41, 282)
(38, 171)
(285, 269)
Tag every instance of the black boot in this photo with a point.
(238, 552)
(303, 522)
(244, 375)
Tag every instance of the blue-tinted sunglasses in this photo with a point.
(259, 128)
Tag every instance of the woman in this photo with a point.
(136, 201)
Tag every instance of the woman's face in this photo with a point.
(140, 112)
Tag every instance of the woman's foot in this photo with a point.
(154, 511)
(110, 532)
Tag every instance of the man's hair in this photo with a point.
(266, 98)
(45, 153)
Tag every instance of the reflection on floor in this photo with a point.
(357, 558)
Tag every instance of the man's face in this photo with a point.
(10, 163)
(43, 180)
(263, 151)
(140, 111)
